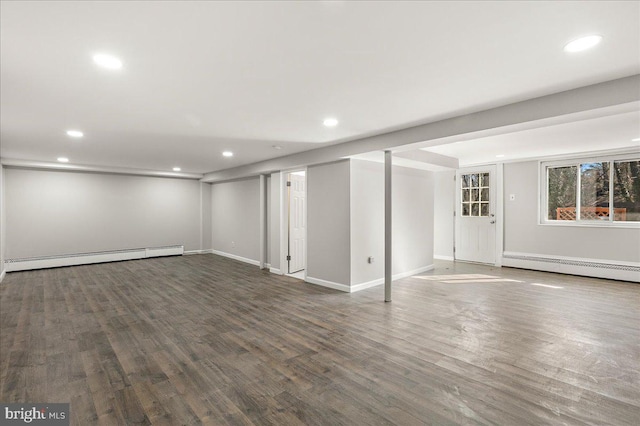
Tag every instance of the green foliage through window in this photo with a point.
(607, 190)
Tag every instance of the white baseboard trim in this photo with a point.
(236, 257)
(597, 268)
(363, 286)
(329, 284)
(190, 252)
(2, 274)
(439, 257)
(25, 264)
(275, 271)
(366, 285)
(413, 272)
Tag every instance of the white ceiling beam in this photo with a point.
(44, 165)
(419, 156)
(602, 95)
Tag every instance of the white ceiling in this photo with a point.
(613, 132)
(203, 77)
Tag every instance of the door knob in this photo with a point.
(493, 221)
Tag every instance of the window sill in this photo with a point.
(594, 224)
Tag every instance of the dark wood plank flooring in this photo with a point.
(207, 340)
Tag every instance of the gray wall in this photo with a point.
(412, 219)
(58, 212)
(328, 219)
(367, 221)
(235, 215)
(267, 184)
(413, 216)
(2, 220)
(444, 199)
(205, 193)
(274, 220)
(523, 233)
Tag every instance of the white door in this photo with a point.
(297, 222)
(475, 231)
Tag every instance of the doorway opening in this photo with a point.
(296, 249)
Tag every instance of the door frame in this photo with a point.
(284, 219)
(499, 214)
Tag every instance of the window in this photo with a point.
(594, 192)
(475, 194)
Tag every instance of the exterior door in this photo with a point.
(475, 227)
(297, 222)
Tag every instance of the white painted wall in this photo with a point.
(275, 201)
(235, 216)
(443, 220)
(205, 193)
(367, 221)
(2, 221)
(523, 233)
(412, 219)
(328, 223)
(267, 184)
(58, 212)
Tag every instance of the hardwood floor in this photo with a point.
(207, 340)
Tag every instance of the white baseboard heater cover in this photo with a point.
(626, 271)
(25, 264)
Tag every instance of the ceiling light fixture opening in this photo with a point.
(63, 159)
(635, 140)
(107, 61)
(582, 43)
(276, 147)
(227, 154)
(176, 169)
(330, 122)
(75, 133)
(499, 155)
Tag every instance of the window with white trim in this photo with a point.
(596, 191)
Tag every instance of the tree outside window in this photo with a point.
(608, 191)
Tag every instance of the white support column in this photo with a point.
(263, 221)
(388, 224)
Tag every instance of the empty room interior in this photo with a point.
(320, 213)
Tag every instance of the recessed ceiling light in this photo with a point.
(499, 155)
(582, 43)
(635, 140)
(276, 147)
(75, 133)
(176, 169)
(227, 154)
(63, 159)
(107, 61)
(330, 122)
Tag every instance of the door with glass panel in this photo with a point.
(475, 225)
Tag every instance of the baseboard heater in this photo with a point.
(25, 264)
(626, 271)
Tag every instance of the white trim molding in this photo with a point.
(190, 252)
(366, 285)
(275, 271)
(236, 257)
(440, 257)
(329, 284)
(363, 286)
(597, 268)
(412, 272)
(42, 262)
